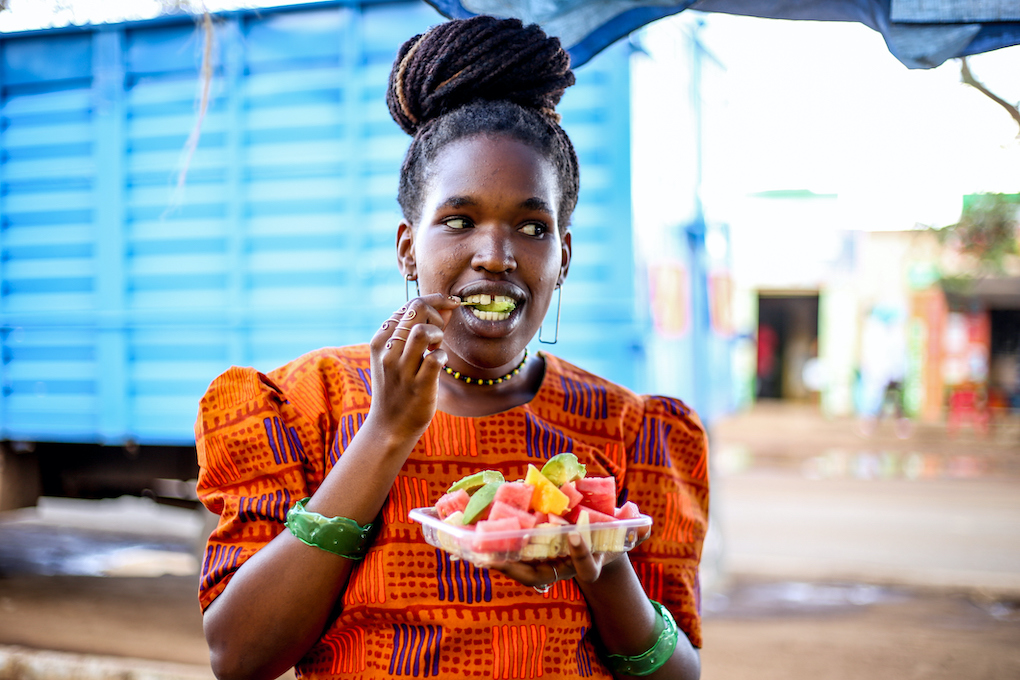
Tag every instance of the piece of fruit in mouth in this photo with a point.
(500, 304)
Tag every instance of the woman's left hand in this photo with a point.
(581, 564)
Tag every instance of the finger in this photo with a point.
(412, 344)
(587, 567)
(397, 340)
(401, 333)
(432, 309)
(533, 574)
(440, 301)
(443, 304)
(419, 328)
(396, 331)
(385, 331)
(431, 364)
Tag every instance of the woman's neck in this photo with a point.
(460, 399)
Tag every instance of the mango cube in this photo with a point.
(547, 498)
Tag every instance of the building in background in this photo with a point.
(682, 241)
(868, 322)
(128, 284)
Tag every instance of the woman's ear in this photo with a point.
(405, 251)
(565, 252)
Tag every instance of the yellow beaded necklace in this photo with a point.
(487, 381)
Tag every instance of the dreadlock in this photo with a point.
(476, 76)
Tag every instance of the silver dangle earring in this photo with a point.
(556, 332)
(407, 287)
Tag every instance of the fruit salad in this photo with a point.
(487, 520)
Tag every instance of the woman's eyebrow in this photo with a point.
(536, 203)
(458, 202)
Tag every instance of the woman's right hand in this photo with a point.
(406, 361)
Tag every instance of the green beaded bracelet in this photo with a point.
(652, 660)
(338, 535)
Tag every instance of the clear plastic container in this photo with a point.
(541, 543)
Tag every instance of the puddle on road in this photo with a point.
(791, 598)
(65, 551)
(1006, 610)
(117, 537)
(861, 464)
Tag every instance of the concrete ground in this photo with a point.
(833, 555)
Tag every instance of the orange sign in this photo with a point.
(720, 303)
(670, 297)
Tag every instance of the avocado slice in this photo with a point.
(479, 501)
(494, 306)
(563, 468)
(476, 480)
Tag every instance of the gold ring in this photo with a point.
(397, 337)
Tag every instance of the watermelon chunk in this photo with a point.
(594, 516)
(500, 510)
(452, 502)
(516, 494)
(628, 510)
(599, 493)
(485, 543)
(573, 495)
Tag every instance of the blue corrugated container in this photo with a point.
(119, 306)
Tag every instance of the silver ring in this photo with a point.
(547, 586)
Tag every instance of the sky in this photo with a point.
(31, 14)
(824, 106)
(819, 106)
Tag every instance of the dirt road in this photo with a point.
(909, 634)
(764, 630)
(827, 561)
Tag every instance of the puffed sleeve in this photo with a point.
(667, 477)
(258, 453)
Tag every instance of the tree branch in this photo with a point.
(969, 79)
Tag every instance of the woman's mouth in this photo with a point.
(490, 307)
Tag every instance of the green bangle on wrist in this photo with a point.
(653, 659)
(338, 535)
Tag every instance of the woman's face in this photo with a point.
(488, 227)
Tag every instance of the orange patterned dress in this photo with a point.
(266, 441)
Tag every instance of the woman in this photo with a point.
(443, 389)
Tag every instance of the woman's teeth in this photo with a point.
(491, 316)
(490, 307)
(486, 299)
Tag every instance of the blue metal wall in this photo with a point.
(118, 306)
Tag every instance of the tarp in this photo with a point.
(920, 33)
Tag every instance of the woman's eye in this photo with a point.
(457, 223)
(533, 229)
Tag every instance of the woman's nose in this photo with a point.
(493, 251)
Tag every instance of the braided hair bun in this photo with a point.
(478, 58)
(481, 76)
